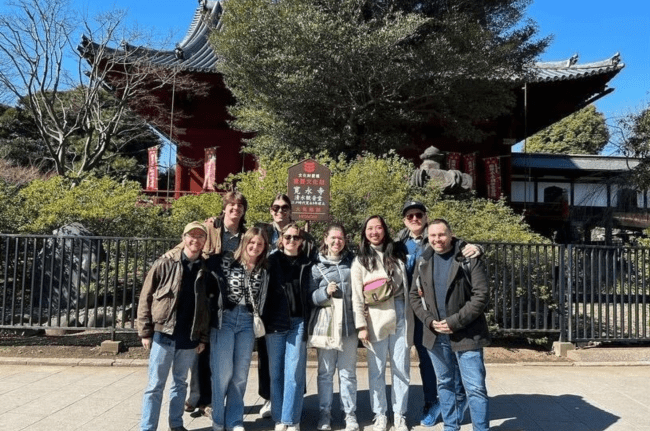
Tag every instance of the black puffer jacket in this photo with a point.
(276, 313)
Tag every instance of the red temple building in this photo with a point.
(557, 90)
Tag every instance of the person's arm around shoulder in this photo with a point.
(478, 301)
(473, 251)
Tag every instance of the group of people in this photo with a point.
(426, 288)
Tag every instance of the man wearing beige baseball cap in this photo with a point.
(174, 323)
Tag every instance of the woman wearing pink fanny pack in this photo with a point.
(384, 319)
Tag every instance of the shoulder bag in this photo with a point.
(258, 325)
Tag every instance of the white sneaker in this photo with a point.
(324, 421)
(399, 423)
(280, 427)
(295, 427)
(238, 428)
(351, 423)
(380, 423)
(265, 411)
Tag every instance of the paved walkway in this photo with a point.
(523, 397)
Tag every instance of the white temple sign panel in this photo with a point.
(210, 169)
(308, 187)
(590, 195)
(152, 168)
(522, 191)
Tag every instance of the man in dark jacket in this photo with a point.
(449, 295)
(173, 322)
(413, 242)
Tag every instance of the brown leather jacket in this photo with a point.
(159, 298)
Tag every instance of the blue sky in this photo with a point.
(595, 30)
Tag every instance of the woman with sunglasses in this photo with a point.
(244, 282)
(285, 314)
(280, 211)
(383, 318)
(330, 277)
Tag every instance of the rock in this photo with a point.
(65, 267)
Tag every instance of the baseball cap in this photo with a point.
(195, 225)
(413, 204)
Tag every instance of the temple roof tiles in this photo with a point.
(194, 53)
(565, 162)
(570, 69)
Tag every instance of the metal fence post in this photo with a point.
(568, 292)
(561, 294)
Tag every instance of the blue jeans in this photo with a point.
(163, 357)
(346, 361)
(427, 374)
(288, 369)
(231, 348)
(400, 362)
(472, 371)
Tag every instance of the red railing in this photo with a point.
(167, 197)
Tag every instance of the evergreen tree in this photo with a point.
(583, 132)
(353, 75)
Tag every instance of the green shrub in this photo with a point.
(367, 185)
(190, 208)
(9, 219)
(373, 184)
(102, 205)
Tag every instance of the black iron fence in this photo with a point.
(577, 293)
(73, 282)
(582, 293)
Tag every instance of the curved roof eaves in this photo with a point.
(569, 69)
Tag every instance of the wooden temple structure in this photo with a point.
(556, 90)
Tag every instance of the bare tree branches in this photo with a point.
(82, 97)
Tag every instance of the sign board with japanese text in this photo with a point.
(308, 187)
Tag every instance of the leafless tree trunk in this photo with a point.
(81, 92)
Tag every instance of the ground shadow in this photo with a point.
(507, 412)
(535, 411)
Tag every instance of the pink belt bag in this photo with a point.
(378, 291)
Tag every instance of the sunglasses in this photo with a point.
(414, 216)
(278, 208)
(292, 237)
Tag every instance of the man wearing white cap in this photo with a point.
(174, 323)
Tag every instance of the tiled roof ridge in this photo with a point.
(572, 63)
(206, 17)
(570, 69)
(195, 54)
